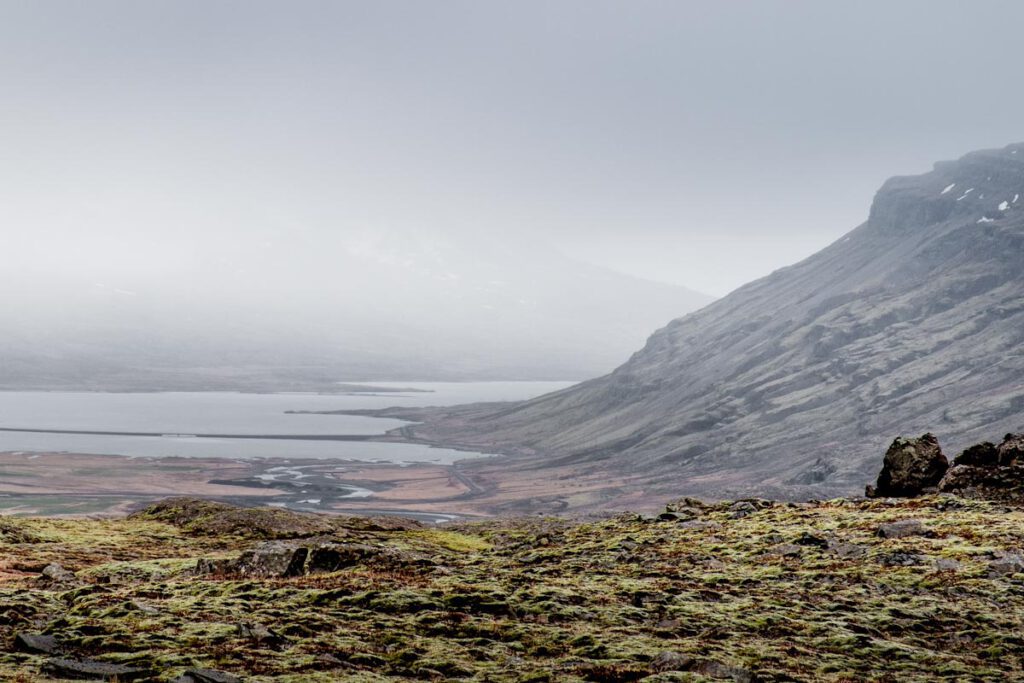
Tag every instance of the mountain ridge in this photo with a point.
(791, 384)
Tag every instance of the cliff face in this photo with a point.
(794, 383)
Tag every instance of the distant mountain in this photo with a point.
(794, 384)
(291, 311)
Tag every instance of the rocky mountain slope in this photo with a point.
(791, 385)
(195, 592)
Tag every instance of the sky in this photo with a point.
(697, 143)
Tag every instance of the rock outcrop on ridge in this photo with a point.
(910, 466)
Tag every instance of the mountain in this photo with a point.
(292, 310)
(794, 384)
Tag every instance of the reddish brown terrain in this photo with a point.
(75, 484)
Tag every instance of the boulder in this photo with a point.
(206, 676)
(1011, 450)
(784, 550)
(813, 540)
(672, 661)
(741, 509)
(1004, 563)
(845, 550)
(965, 478)
(93, 670)
(55, 576)
(718, 670)
(261, 636)
(979, 455)
(37, 643)
(989, 471)
(910, 466)
(901, 559)
(902, 529)
(675, 516)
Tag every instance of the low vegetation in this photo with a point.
(913, 590)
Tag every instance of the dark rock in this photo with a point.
(846, 550)
(274, 558)
(741, 509)
(909, 467)
(784, 550)
(206, 676)
(979, 455)
(901, 559)
(807, 539)
(330, 557)
(261, 635)
(55, 575)
(988, 471)
(713, 669)
(1011, 450)
(961, 478)
(1005, 564)
(994, 483)
(680, 516)
(92, 670)
(903, 528)
(37, 643)
(672, 661)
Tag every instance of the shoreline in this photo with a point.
(68, 484)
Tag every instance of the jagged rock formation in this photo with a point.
(910, 466)
(914, 321)
(989, 471)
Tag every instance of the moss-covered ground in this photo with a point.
(750, 591)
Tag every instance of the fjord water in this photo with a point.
(180, 414)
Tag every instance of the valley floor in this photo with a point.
(75, 484)
(744, 591)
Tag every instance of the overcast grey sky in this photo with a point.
(700, 143)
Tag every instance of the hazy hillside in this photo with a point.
(794, 383)
(289, 309)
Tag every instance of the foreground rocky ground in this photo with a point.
(894, 590)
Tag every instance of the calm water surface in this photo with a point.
(183, 413)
